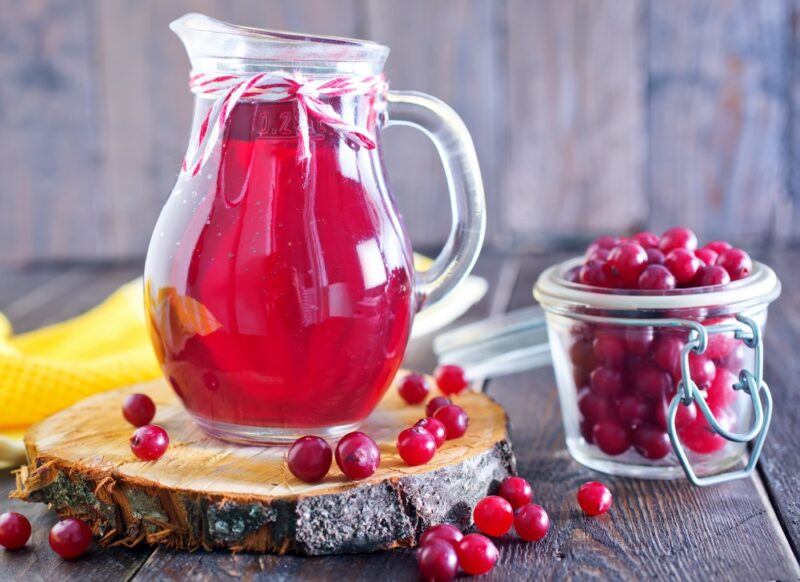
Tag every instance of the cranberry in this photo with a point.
(597, 273)
(594, 498)
(632, 409)
(605, 242)
(597, 254)
(655, 256)
(719, 344)
(434, 427)
(15, 529)
(357, 455)
(721, 392)
(628, 260)
(454, 419)
(594, 407)
(609, 348)
(711, 275)
(651, 380)
(436, 403)
(531, 522)
(416, 446)
(138, 409)
(656, 277)
(667, 354)
(701, 438)
(736, 262)
(707, 255)
(678, 238)
(612, 437)
(587, 428)
(702, 369)
(70, 537)
(684, 416)
(639, 340)
(476, 554)
(646, 239)
(572, 275)
(735, 360)
(683, 265)
(516, 490)
(437, 560)
(718, 246)
(605, 381)
(443, 531)
(582, 356)
(493, 515)
(451, 379)
(309, 458)
(149, 442)
(414, 388)
(651, 442)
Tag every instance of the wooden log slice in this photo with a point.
(206, 493)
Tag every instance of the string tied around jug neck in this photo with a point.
(277, 86)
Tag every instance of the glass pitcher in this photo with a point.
(280, 286)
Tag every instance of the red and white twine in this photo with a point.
(276, 86)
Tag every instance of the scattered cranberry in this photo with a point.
(493, 515)
(436, 403)
(437, 561)
(736, 262)
(138, 409)
(149, 442)
(605, 381)
(594, 498)
(454, 419)
(647, 239)
(15, 529)
(357, 455)
(476, 554)
(434, 427)
(531, 522)
(683, 265)
(451, 379)
(416, 445)
(70, 537)
(628, 260)
(443, 531)
(678, 238)
(516, 490)
(309, 458)
(656, 277)
(414, 388)
(711, 275)
(612, 437)
(651, 442)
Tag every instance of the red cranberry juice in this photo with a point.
(301, 272)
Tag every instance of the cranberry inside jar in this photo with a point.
(619, 319)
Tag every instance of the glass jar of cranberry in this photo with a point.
(659, 378)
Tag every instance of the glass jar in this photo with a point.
(658, 384)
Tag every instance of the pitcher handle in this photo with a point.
(452, 140)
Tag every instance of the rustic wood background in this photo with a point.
(589, 116)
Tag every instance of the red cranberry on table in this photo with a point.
(309, 458)
(138, 409)
(443, 531)
(493, 516)
(437, 560)
(414, 388)
(736, 262)
(357, 455)
(149, 442)
(594, 498)
(476, 554)
(454, 419)
(15, 529)
(70, 537)
(451, 379)
(434, 427)
(678, 238)
(531, 522)
(416, 445)
(516, 490)
(656, 278)
(651, 442)
(436, 403)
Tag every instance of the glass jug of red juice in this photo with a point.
(280, 286)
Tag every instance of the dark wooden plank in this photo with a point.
(576, 157)
(451, 50)
(718, 117)
(664, 529)
(51, 204)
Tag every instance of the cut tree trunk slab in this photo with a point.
(206, 493)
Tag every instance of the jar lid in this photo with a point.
(554, 291)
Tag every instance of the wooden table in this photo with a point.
(749, 529)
